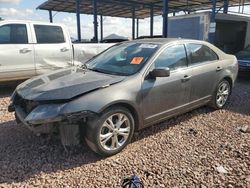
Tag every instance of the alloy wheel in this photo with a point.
(222, 94)
(114, 131)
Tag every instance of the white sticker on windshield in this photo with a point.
(147, 46)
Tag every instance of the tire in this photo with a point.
(110, 133)
(221, 95)
(17, 119)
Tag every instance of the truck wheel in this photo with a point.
(108, 134)
(221, 95)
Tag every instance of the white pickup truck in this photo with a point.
(29, 48)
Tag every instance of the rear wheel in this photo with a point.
(110, 133)
(221, 95)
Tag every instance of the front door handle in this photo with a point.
(218, 69)
(64, 49)
(24, 51)
(186, 78)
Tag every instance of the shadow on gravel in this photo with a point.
(239, 101)
(6, 89)
(243, 80)
(23, 155)
(172, 122)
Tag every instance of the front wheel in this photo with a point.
(221, 95)
(109, 134)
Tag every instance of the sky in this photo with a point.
(26, 10)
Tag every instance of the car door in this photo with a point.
(166, 96)
(53, 49)
(16, 52)
(205, 68)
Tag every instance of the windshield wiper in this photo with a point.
(106, 71)
(98, 70)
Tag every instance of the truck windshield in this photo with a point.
(124, 59)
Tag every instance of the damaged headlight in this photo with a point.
(50, 113)
(45, 114)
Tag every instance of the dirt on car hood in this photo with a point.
(65, 84)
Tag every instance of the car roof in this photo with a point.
(7, 21)
(162, 41)
(156, 40)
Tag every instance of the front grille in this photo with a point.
(26, 105)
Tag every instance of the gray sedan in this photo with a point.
(129, 86)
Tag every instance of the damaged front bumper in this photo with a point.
(43, 118)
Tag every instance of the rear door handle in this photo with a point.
(24, 50)
(64, 49)
(218, 69)
(186, 78)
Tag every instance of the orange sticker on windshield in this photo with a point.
(136, 60)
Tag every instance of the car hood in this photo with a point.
(65, 84)
(243, 55)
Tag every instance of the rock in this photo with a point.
(203, 186)
(248, 178)
(221, 170)
(5, 167)
(192, 131)
(245, 129)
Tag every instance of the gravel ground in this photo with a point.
(204, 148)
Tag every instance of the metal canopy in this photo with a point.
(124, 8)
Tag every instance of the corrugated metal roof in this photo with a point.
(123, 8)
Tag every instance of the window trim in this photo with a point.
(46, 25)
(203, 62)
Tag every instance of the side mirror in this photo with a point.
(160, 72)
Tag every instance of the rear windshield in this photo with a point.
(124, 59)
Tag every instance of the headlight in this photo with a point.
(51, 113)
(45, 114)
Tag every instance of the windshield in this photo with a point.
(124, 59)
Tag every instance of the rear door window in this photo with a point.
(13, 34)
(198, 53)
(173, 57)
(49, 34)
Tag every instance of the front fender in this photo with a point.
(122, 93)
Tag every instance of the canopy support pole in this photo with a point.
(225, 9)
(50, 16)
(137, 27)
(78, 21)
(101, 25)
(152, 20)
(133, 23)
(243, 6)
(95, 21)
(165, 18)
(212, 23)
